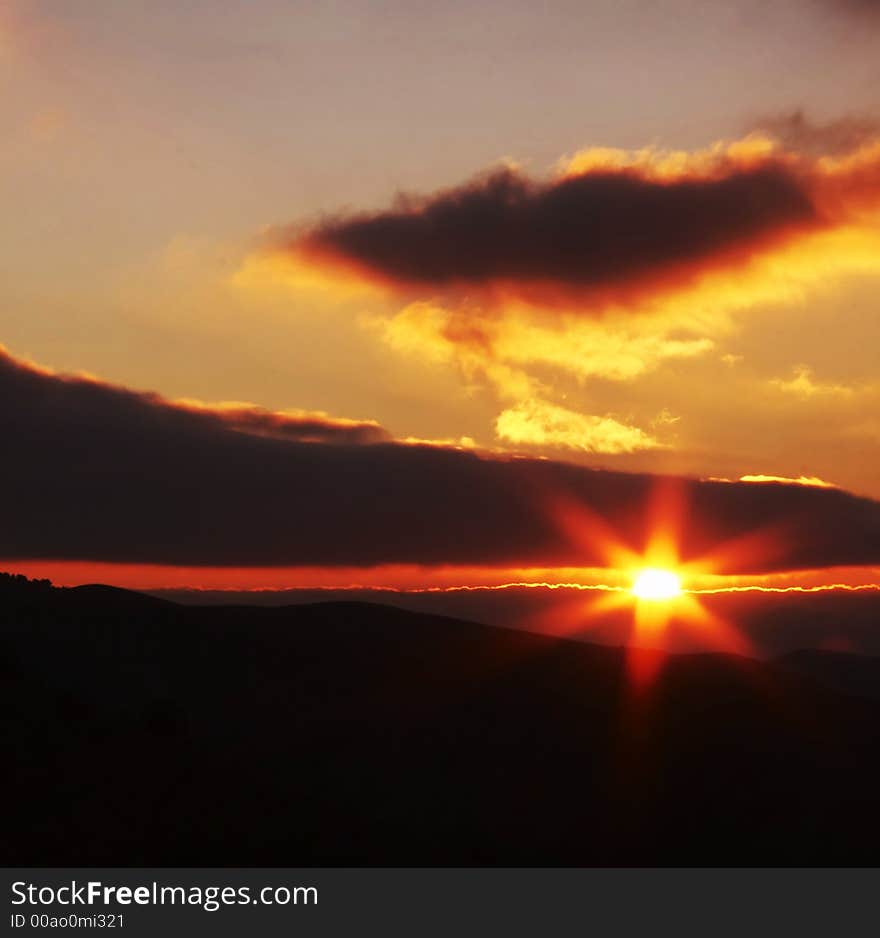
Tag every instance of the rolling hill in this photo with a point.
(139, 732)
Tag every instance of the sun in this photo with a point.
(655, 584)
(649, 573)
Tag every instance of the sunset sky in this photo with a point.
(287, 286)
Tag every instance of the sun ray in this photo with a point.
(658, 596)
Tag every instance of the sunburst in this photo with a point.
(658, 577)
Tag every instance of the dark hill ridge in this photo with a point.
(141, 732)
(843, 671)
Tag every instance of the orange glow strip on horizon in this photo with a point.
(403, 578)
(604, 587)
(821, 588)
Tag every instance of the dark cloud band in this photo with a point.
(595, 231)
(95, 472)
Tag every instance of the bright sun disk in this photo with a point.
(656, 584)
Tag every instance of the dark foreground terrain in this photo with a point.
(140, 732)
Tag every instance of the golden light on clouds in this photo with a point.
(529, 338)
(268, 269)
(838, 196)
(662, 165)
(507, 352)
(803, 385)
(813, 481)
(539, 423)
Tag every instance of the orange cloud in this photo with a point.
(612, 229)
(538, 423)
(802, 385)
(618, 262)
(500, 354)
(815, 481)
(302, 425)
(305, 426)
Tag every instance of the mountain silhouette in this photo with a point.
(140, 732)
(843, 671)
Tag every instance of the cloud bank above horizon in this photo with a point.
(99, 472)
